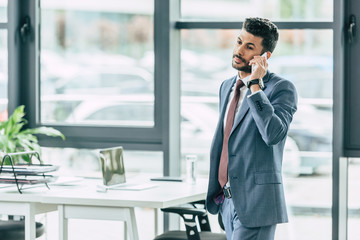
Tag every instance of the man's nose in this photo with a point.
(239, 50)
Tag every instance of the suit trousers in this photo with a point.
(236, 231)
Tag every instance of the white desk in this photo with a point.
(27, 204)
(84, 202)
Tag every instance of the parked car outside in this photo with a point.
(93, 74)
(312, 75)
(311, 131)
(198, 122)
(107, 81)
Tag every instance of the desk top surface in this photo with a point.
(84, 192)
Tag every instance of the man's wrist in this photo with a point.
(258, 82)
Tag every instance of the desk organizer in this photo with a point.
(26, 174)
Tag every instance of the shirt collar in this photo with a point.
(245, 80)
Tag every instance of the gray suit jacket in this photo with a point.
(256, 145)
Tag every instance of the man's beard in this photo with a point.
(246, 68)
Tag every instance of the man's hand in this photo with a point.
(260, 68)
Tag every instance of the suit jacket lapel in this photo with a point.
(244, 108)
(227, 91)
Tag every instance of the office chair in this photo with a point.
(15, 229)
(191, 227)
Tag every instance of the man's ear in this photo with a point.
(268, 54)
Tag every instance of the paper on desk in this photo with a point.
(67, 181)
(126, 186)
(29, 169)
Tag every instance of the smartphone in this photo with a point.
(254, 66)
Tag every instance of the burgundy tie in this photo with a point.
(223, 167)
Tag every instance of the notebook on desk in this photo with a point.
(112, 166)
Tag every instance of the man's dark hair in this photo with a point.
(261, 27)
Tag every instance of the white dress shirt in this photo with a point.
(243, 91)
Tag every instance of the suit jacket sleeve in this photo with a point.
(273, 111)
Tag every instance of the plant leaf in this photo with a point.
(28, 137)
(25, 143)
(18, 114)
(48, 131)
(14, 139)
(3, 142)
(2, 126)
(15, 122)
(7, 145)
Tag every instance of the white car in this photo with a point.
(198, 121)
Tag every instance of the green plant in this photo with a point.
(15, 138)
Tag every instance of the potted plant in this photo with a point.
(15, 138)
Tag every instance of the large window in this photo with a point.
(95, 76)
(3, 61)
(3, 10)
(97, 70)
(305, 57)
(97, 63)
(206, 62)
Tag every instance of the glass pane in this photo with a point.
(97, 62)
(3, 10)
(353, 199)
(3, 75)
(305, 58)
(276, 10)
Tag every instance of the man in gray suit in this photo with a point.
(256, 108)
